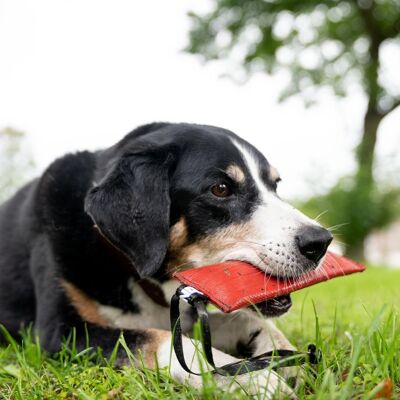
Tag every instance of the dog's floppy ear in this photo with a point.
(131, 207)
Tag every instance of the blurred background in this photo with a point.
(314, 85)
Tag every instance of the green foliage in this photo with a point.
(359, 336)
(354, 210)
(16, 162)
(320, 43)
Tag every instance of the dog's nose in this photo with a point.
(313, 242)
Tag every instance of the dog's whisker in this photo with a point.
(316, 219)
(339, 266)
(334, 227)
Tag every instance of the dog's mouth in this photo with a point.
(280, 305)
(281, 270)
(274, 307)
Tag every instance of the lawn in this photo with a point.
(354, 320)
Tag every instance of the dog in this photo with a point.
(92, 244)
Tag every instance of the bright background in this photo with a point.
(80, 74)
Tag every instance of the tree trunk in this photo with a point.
(364, 179)
(356, 252)
(366, 148)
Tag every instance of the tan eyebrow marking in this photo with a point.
(274, 174)
(236, 173)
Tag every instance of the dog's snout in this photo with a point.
(313, 241)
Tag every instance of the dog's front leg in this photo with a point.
(245, 333)
(153, 347)
(159, 350)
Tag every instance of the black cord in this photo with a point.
(273, 359)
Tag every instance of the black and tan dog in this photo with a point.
(77, 244)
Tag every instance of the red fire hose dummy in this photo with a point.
(234, 285)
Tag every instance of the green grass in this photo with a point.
(354, 320)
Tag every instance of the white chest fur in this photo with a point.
(151, 314)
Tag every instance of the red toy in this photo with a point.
(235, 284)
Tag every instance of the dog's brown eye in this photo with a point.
(221, 190)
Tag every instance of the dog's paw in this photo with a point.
(264, 384)
(292, 375)
(269, 338)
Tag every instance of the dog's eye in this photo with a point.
(221, 190)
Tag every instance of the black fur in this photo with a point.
(133, 191)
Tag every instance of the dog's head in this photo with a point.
(180, 195)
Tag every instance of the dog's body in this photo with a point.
(76, 244)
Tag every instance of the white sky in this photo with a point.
(80, 74)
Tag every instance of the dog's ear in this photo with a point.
(131, 207)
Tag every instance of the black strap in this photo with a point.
(272, 359)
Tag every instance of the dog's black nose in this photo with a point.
(313, 242)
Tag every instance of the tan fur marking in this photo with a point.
(178, 235)
(87, 308)
(236, 173)
(208, 249)
(274, 173)
(156, 338)
(177, 241)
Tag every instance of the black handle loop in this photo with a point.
(273, 359)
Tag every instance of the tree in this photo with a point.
(16, 162)
(333, 44)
